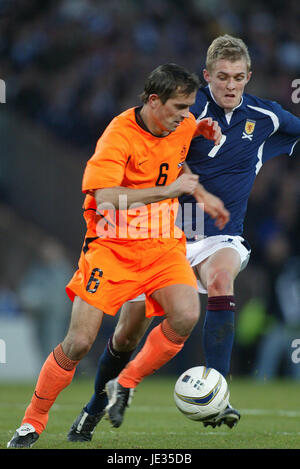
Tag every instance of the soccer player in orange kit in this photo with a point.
(138, 160)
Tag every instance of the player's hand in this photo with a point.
(209, 129)
(213, 206)
(185, 184)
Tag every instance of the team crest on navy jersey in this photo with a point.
(249, 129)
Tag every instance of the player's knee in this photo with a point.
(191, 318)
(77, 346)
(220, 283)
(124, 343)
(184, 321)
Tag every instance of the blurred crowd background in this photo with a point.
(69, 67)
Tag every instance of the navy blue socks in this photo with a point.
(110, 364)
(218, 332)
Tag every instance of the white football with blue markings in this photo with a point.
(201, 393)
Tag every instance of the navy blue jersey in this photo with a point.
(253, 132)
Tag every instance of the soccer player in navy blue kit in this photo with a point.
(254, 130)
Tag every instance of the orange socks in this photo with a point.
(162, 344)
(56, 374)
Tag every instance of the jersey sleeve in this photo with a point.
(107, 166)
(284, 140)
(288, 122)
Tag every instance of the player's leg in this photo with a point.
(130, 329)
(181, 306)
(58, 371)
(217, 274)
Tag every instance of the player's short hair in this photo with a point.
(229, 48)
(168, 80)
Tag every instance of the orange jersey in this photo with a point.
(129, 156)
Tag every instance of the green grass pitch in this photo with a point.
(270, 418)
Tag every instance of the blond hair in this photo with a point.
(229, 48)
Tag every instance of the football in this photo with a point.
(201, 393)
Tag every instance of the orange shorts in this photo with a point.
(113, 272)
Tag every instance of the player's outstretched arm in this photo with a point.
(210, 129)
(120, 198)
(212, 204)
